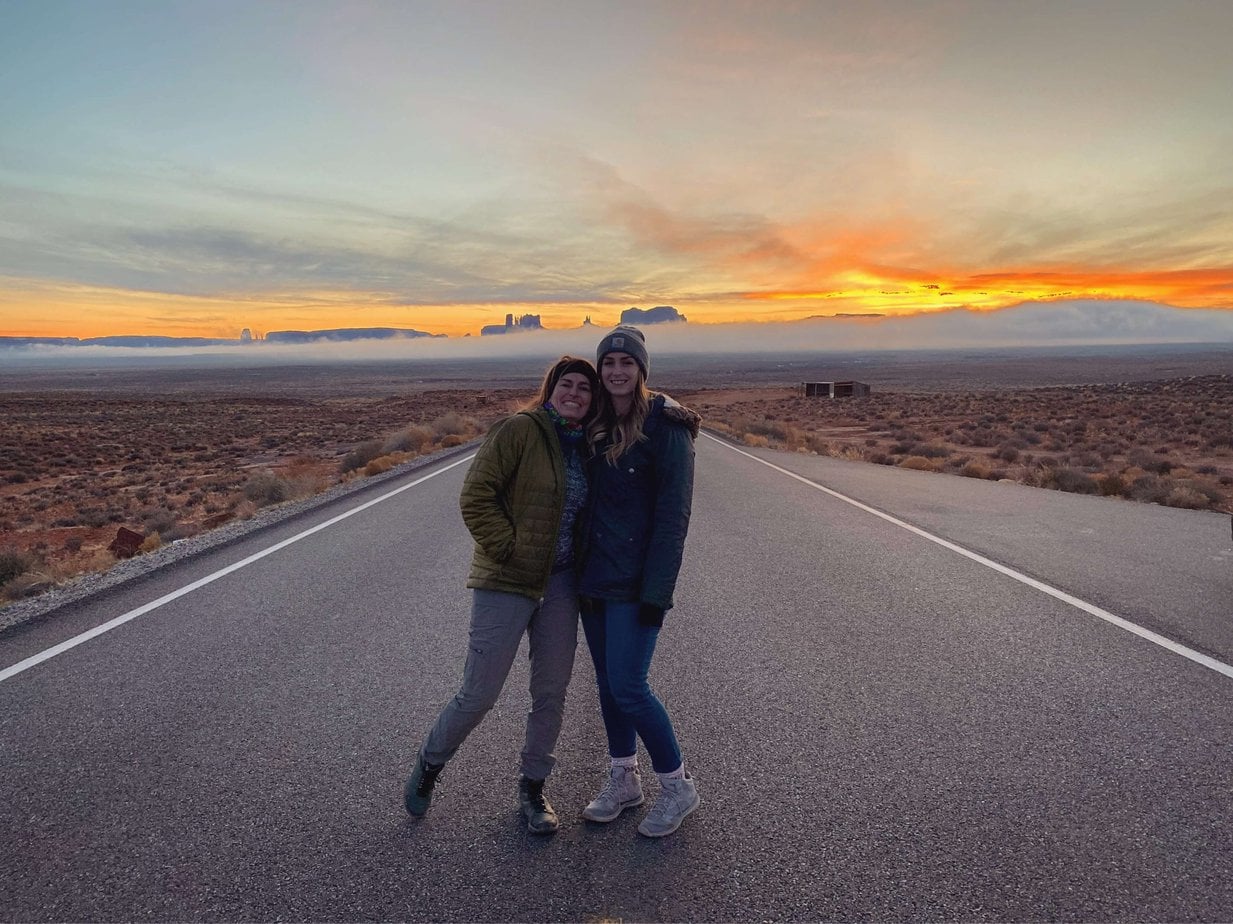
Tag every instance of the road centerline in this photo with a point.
(68, 644)
(1091, 609)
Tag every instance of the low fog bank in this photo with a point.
(1074, 323)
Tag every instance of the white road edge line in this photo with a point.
(1156, 639)
(64, 646)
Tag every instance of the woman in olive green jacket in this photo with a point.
(520, 501)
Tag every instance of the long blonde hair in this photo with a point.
(624, 430)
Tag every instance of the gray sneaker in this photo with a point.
(676, 800)
(622, 790)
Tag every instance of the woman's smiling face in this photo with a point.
(571, 396)
(619, 373)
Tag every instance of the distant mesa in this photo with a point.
(118, 341)
(663, 314)
(37, 341)
(344, 334)
(512, 325)
(246, 337)
(141, 340)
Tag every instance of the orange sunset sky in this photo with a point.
(193, 169)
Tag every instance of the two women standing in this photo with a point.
(525, 501)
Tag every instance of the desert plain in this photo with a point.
(170, 448)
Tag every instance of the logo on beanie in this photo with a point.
(618, 341)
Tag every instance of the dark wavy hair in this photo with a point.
(563, 366)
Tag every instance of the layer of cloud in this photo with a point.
(1039, 325)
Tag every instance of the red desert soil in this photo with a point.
(75, 465)
(79, 465)
(1167, 442)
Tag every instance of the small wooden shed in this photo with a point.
(834, 389)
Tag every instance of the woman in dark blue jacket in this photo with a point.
(642, 479)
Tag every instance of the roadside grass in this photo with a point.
(1165, 442)
(71, 489)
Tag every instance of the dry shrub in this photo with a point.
(1189, 487)
(150, 543)
(932, 451)
(304, 476)
(378, 466)
(774, 431)
(28, 584)
(306, 484)
(1088, 460)
(412, 439)
(159, 520)
(975, 470)
(265, 488)
(815, 443)
(1149, 489)
(1187, 496)
(360, 456)
(13, 564)
(1113, 485)
(1072, 480)
(754, 439)
(1149, 461)
(921, 464)
(101, 560)
(454, 424)
(451, 439)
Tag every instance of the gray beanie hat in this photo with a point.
(625, 339)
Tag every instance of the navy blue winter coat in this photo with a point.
(639, 511)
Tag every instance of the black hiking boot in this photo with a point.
(541, 817)
(417, 794)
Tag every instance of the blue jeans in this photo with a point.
(622, 649)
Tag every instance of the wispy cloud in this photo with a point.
(447, 161)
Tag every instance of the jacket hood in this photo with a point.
(671, 409)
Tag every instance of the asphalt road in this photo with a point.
(882, 727)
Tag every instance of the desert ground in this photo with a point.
(170, 450)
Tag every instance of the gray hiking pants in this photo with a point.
(498, 622)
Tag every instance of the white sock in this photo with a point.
(677, 774)
(629, 763)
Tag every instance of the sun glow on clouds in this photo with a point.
(892, 294)
(91, 311)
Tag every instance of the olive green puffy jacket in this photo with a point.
(512, 502)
